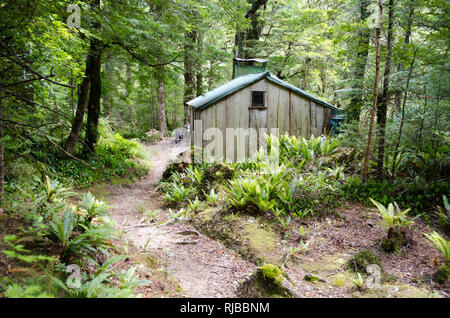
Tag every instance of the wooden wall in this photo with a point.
(286, 110)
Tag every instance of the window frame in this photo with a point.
(252, 105)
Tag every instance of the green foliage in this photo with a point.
(176, 193)
(391, 217)
(28, 291)
(444, 212)
(90, 241)
(19, 252)
(359, 282)
(195, 205)
(419, 196)
(252, 194)
(92, 207)
(54, 190)
(440, 243)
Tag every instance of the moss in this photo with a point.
(339, 281)
(272, 272)
(261, 241)
(253, 239)
(396, 238)
(442, 274)
(266, 281)
(392, 291)
(359, 262)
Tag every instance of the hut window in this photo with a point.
(258, 98)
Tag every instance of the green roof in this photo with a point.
(243, 81)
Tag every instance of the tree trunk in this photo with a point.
(356, 101)
(189, 71)
(132, 107)
(375, 90)
(81, 109)
(397, 102)
(108, 98)
(246, 39)
(2, 161)
(152, 111)
(402, 119)
(199, 65)
(161, 102)
(95, 92)
(383, 100)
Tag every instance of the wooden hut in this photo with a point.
(255, 99)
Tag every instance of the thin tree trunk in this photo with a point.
(199, 68)
(2, 160)
(397, 102)
(161, 102)
(109, 95)
(375, 91)
(356, 102)
(81, 109)
(189, 71)
(383, 100)
(133, 119)
(400, 129)
(152, 111)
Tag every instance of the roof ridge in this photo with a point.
(240, 82)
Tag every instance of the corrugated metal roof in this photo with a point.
(243, 81)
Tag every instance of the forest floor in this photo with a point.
(212, 254)
(173, 255)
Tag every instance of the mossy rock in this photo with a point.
(395, 240)
(442, 274)
(361, 260)
(268, 281)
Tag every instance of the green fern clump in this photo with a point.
(440, 243)
(398, 224)
(392, 218)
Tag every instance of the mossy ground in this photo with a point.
(252, 238)
(334, 268)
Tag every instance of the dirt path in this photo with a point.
(203, 267)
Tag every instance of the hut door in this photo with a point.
(258, 128)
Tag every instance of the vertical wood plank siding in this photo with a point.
(286, 110)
